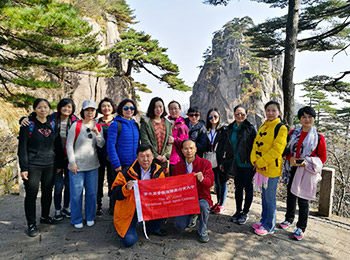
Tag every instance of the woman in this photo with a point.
(156, 131)
(304, 142)
(179, 130)
(36, 159)
(266, 156)
(197, 130)
(240, 137)
(83, 138)
(215, 135)
(122, 140)
(107, 108)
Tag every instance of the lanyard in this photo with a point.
(212, 137)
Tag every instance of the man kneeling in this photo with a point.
(125, 217)
(205, 177)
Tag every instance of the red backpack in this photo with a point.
(78, 129)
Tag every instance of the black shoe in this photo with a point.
(58, 216)
(32, 230)
(99, 211)
(236, 216)
(160, 233)
(204, 238)
(48, 220)
(65, 212)
(243, 219)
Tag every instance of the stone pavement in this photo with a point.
(326, 238)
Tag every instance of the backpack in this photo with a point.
(78, 129)
(31, 127)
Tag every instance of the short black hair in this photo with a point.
(144, 147)
(186, 140)
(193, 109)
(171, 102)
(272, 102)
(152, 105)
(106, 99)
(82, 113)
(63, 102)
(238, 106)
(306, 110)
(38, 100)
(208, 123)
(122, 104)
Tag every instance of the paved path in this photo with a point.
(326, 238)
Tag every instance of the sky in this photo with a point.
(186, 28)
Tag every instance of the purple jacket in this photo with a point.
(180, 133)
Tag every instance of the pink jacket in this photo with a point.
(306, 178)
(180, 133)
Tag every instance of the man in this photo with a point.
(125, 217)
(205, 178)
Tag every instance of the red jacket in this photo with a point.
(199, 165)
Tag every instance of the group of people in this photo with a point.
(59, 150)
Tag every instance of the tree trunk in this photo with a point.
(289, 61)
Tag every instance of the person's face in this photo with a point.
(128, 110)
(89, 113)
(194, 117)
(67, 109)
(272, 112)
(145, 159)
(174, 110)
(106, 108)
(158, 108)
(42, 109)
(189, 149)
(240, 115)
(214, 117)
(307, 120)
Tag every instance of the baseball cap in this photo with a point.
(89, 103)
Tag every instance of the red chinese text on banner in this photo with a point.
(166, 197)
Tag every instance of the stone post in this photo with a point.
(326, 192)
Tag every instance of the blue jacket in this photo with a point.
(124, 152)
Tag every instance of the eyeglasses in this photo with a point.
(193, 114)
(211, 117)
(127, 108)
(174, 109)
(88, 130)
(240, 114)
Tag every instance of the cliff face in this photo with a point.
(231, 75)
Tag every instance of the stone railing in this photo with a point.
(326, 192)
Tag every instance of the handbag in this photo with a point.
(211, 157)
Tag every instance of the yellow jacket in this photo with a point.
(267, 151)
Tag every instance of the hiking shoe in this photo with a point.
(48, 220)
(213, 208)
(99, 211)
(90, 223)
(236, 216)
(243, 219)
(193, 222)
(286, 224)
(79, 226)
(262, 231)
(204, 238)
(58, 215)
(66, 212)
(219, 209)
(298, 234)
(257, 225)
(32, 230)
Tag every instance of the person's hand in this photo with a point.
(170, 139)
(118, 169)
(25, 121)
(130, 185)
(94, 129)
(24, 175)
(200, 176)
(161, 158)
(74, 169)
(58, 171)
(221, 167)
(257, 168)
(293, 162)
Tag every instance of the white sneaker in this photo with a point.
(90, 223)
(79, 226)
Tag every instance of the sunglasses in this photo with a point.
(211, 117)
(88, 130)
(127, 108)
(239, 114)
(193, 114)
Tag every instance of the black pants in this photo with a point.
(111, 174)
(303, 205)
(244, 181)
(45, 176)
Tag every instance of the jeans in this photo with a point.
(244, 181)
(269, 208)
(36, 175)
(130, 237)
(111, 174)
(220, 187)
(182, 222)
(87, 179)
(291, 205)
(61, 181)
